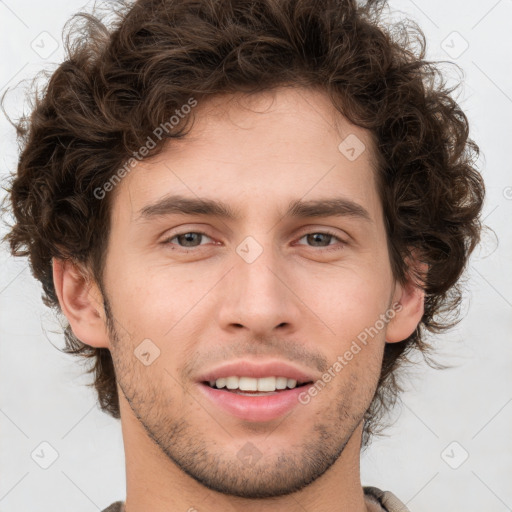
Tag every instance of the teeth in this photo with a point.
(265, 384)
(220, 383)
(246, 383)
(231, 382)
(281, 382)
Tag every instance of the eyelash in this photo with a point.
(334, 247)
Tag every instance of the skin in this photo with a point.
(297, 301)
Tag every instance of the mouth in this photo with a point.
(252, 386)
(256, 405)
(254, 391)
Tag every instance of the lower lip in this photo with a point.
(254, 408)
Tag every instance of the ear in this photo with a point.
(81, 302)
(410, 303)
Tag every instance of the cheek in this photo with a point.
(348, 301)
(149, 302)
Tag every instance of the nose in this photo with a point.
(258, 296)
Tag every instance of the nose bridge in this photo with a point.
(257, 271)
(257, 296)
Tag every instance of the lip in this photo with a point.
(246, 368)
(254, 408)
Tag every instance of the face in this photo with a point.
(269, 293)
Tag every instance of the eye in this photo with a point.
(321, 237)
(190, 239)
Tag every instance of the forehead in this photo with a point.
(275, 146)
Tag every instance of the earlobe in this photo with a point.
(81, 302)
(411, 299)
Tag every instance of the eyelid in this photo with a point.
(170, 236)
(342, 237)
(183, 229)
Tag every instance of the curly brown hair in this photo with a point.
(125, 76)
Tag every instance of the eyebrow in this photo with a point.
(177, 204)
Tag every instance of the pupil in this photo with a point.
(314, 237)
(188, 236)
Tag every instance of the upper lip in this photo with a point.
(254, 369)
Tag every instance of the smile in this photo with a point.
(253, 405)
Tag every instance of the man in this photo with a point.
(250, 213)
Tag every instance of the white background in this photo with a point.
(44, 397)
